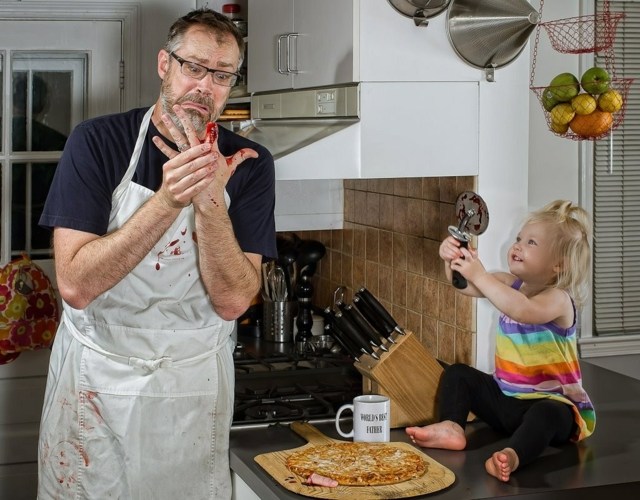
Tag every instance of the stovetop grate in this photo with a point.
(283, 387)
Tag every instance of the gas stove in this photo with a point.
(274, 383)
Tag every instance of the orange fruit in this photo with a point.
(591, 125)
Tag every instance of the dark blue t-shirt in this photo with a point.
(97, 155)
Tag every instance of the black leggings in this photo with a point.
(533, 424)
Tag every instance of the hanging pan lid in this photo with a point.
(419, 9)
(490, 33)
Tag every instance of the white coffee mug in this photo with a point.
(371, 415)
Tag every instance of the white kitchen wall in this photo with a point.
(502, 181)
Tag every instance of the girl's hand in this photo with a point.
(450, 249)
(469, 265)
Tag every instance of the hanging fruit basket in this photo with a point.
(591, 105)
(584, 34)
(585, 116)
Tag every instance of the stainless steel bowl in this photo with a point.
(322, 342)
(422, 8)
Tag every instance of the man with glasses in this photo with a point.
(159, 235)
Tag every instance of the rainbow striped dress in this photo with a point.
(541, 361)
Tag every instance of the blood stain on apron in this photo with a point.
(89, 397)
(63, 460)
(166, 250)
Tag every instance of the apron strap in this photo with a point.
(149, 365)
(133, 162)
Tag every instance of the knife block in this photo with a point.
(409, 375)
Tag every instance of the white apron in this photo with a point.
(139, 396)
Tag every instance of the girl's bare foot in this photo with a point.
(502, 464)
(446, 435)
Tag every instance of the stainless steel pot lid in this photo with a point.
(490, 33)
(419, 8)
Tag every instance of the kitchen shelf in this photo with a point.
(239, 100)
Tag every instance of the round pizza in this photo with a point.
(358, 464)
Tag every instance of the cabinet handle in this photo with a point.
(279, 50)
(292, 70)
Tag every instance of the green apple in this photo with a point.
(595, 80)
(548, 99)
(564, 87)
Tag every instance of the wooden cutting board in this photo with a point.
(436, 478)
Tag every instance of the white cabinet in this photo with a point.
(300, 44)
(312, 43)
(240, 489)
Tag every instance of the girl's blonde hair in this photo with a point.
(572, 227)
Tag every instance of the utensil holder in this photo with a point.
(278, 320)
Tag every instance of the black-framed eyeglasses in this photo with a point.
(198, 71)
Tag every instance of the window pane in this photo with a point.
(30, 185)
(41, 110)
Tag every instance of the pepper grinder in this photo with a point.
(304, 320)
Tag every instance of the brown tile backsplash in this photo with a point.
(392, 232)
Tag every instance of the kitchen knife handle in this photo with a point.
(375, 304)
(346, 343)
(344, 324)
(361, 324)
(340, 338)
(457, 280)
(374, 319)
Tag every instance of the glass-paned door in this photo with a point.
(47, 99)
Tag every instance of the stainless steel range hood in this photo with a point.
(291, 121)
(285, 136)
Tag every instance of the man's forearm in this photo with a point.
(230, 278)
(86, 272)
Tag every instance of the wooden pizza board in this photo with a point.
(435, 478)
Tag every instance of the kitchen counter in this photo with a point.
(606, 464)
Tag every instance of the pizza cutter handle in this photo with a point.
(459, 281)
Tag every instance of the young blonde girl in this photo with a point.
(535, 394)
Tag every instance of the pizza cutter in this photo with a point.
(473, 215)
